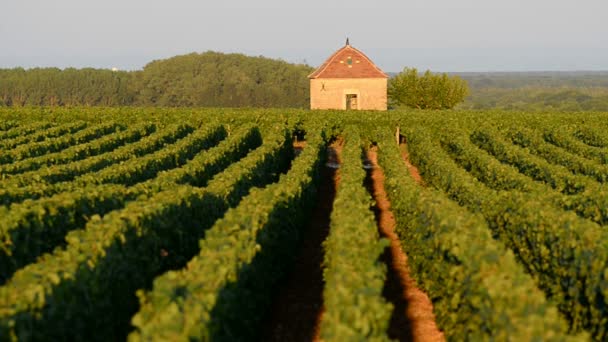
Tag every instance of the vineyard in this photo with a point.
(184, 225)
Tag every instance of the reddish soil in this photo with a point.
(406, 158)
(298, 146)
(298, 306)
(412, 318)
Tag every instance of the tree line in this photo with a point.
(214, 79)
(209, 79)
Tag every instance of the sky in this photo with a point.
(440, 35)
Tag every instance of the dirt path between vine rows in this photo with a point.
(412, 318)
(298, 305)
(406, 159)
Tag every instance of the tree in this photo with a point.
(427, 91)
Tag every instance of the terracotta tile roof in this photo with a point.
(348, 62)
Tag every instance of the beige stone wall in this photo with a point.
(330, 93)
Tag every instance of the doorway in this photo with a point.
(351, 102)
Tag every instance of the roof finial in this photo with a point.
(347, 43)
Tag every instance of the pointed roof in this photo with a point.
(348, 62)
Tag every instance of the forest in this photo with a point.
(209, 79)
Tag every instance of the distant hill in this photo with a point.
(515, 79)
(536, 79)
(193, 80)
(540, 90)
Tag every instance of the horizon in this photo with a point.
(438, 35)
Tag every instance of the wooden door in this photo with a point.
(351, 102)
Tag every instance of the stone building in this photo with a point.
(348, 80)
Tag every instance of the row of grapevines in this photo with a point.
(39, 183)
(485, 167)
(557, 177)
(24, 130)
(43, 134)
(555, 155)
(6, 125)
(198, 171)
(592, 136)
(354, 308)
(479, 291)
(587, 197)
(558, 248)
(86, 291)
(69, 172)
(591, 204)
(57, 144)
(34, 227)
(147, 167)
(223, 291)
(562, 137)
(77, 152)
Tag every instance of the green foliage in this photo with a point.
(57, 178)
(87, 288)
(508, 224)
(354, 276)
(68, 136)
(592, 137)
(197, 171)
(214, 79)
(68, 87)
(592, 203)
(558, 248)
(427, 91)
(32, 228)
(563, 137)
(40, 136)
(536, 168)
(224, 291)
(479, 291)
(5, 126)
(209, 79)
(22, 133)
(534, 143)
(148, 166)
(74, 153)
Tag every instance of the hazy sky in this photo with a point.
(443, 35)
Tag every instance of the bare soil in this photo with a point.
(412, 318)
(298, 146)
(298, 306)
(406, 158)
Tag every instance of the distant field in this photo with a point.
(548, 91)
(563, 91)
(220, 224)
